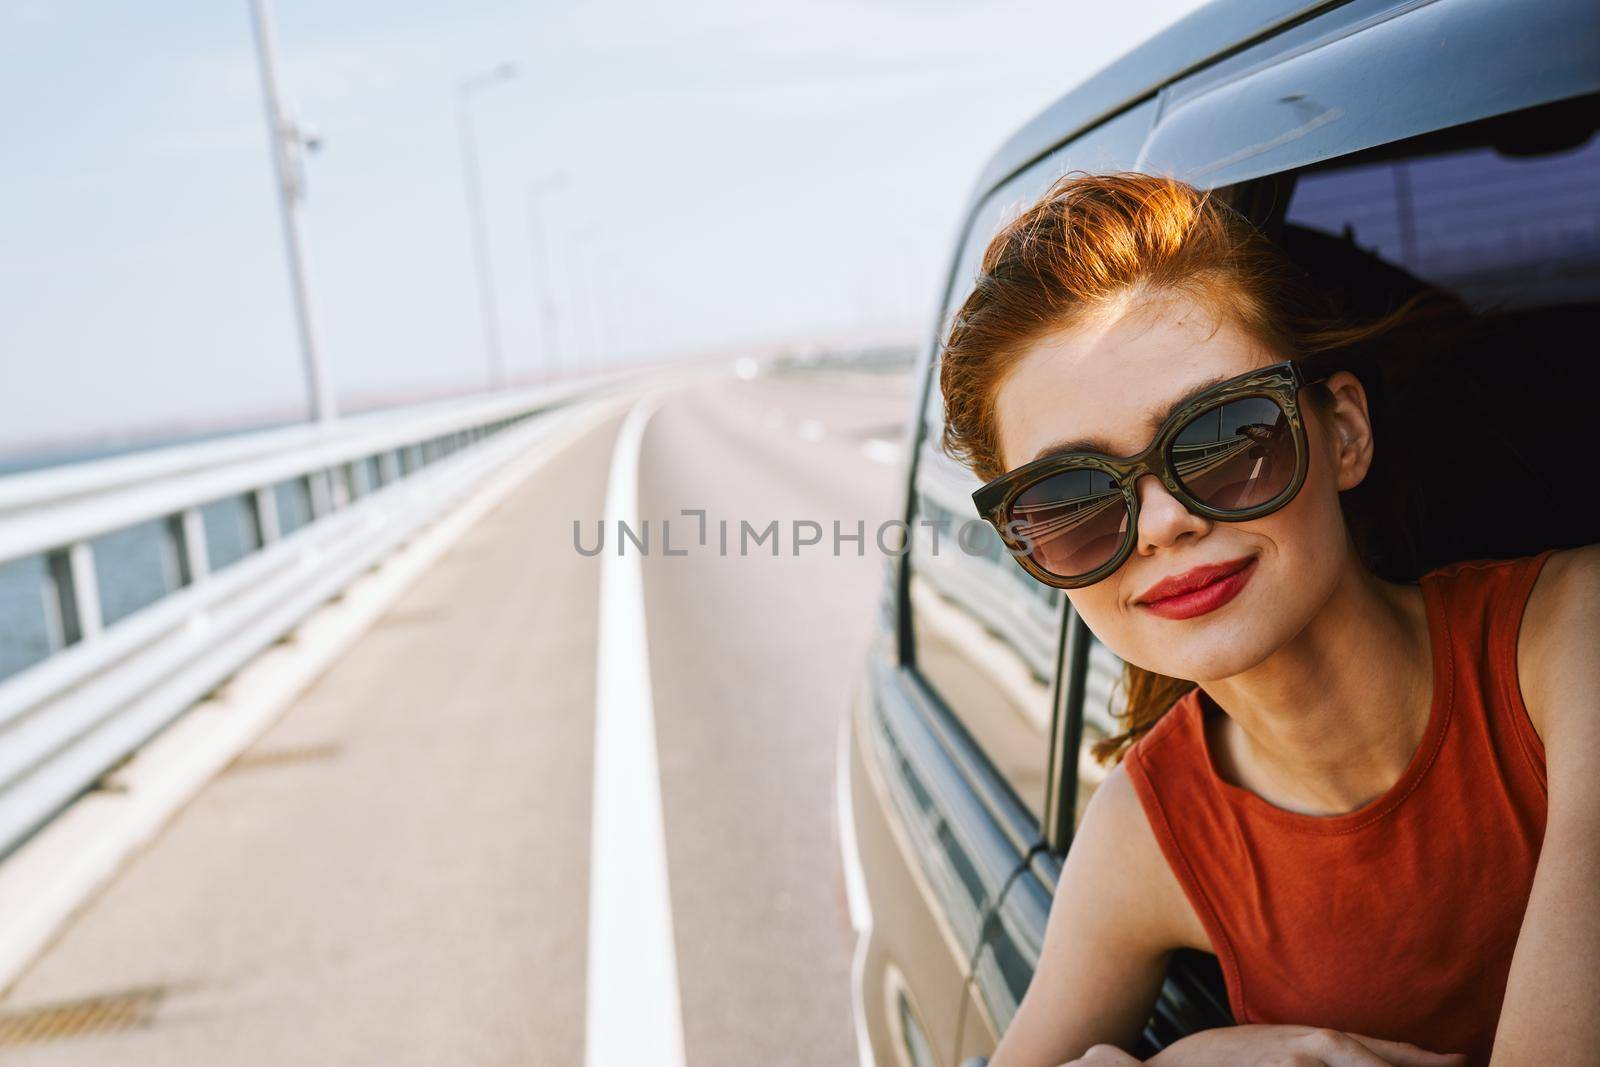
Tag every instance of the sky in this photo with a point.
(715, 173)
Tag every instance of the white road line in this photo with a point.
(811, 430)
(880, 451)
(48, 879)
(855, 887)
(634, 1015)
(855, 882)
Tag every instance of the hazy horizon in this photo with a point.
(731, 173)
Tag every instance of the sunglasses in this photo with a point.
(1235, 452)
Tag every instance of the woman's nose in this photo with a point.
(1163, 520)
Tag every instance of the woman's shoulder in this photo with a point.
(1568, 575)
(1119, 852)
(1555, 644)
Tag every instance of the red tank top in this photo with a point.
(1398, 919)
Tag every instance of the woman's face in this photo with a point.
(1099, 379)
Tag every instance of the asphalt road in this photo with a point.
(397, 872)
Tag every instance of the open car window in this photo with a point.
(985, 635)
(1504, 215)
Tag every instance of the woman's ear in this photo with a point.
(1349, 424)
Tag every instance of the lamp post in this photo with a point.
(540, 250)
(289, 142)
(475, 214)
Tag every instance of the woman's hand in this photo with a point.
(1259, 1045)
(1104, 1056)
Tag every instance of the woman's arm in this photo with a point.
(1551, 1011)
(1106, 942)
(1117, 915)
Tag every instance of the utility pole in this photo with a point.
(289, 143)
(475, 215)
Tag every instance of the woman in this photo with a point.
(1374, 800)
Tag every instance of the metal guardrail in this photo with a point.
(883, 359)
(225, 546)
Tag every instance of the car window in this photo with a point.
(1500, 230)
(985, 635)
(1501, 213)
(1504, 230)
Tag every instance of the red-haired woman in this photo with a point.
(1376, 801)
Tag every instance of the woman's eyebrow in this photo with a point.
(1153, 419)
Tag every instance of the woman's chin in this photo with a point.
(1203, 657)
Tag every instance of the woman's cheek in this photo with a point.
(1112, 625)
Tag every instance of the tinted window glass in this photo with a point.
(985, 633)
(1504, 213)
(1503, 231)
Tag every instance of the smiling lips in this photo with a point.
(1198, 591)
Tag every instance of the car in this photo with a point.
(1385, 145)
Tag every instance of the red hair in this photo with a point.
(1092, 241)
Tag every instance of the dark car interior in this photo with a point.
(1485, 403)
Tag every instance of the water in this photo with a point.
(29, 629)
(134, 568)
(137, 566)
(21, 459)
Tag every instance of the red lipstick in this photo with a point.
(1198, 591)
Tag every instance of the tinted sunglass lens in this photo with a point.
(1237, 455)
(1075, 521)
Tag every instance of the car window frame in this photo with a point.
(1120, 134)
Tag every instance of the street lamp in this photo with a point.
(289, 142)
(475, 213)
(540, 250)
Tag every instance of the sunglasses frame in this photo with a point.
(1280, 382)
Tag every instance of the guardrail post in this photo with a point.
(85, 591)
(266, 502)
(321, 493)
(389, 467)
(196, 556)
(60, 620)
(341, 486)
